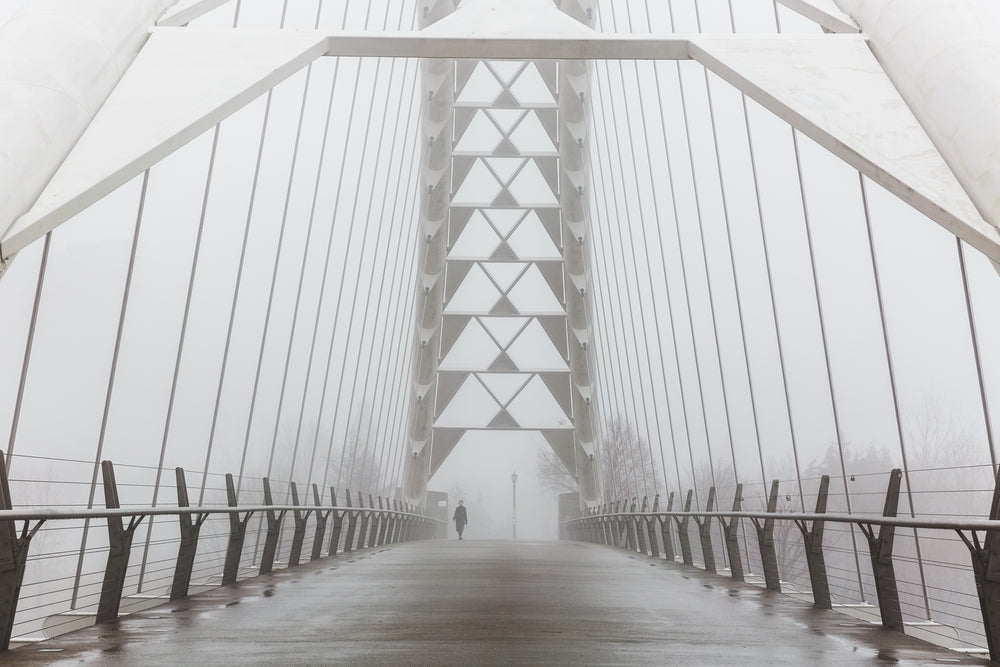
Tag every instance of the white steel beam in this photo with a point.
(186, 11)
(943, 57)
(824, 13)
(833, 91)
(58, 63)
(182, 84)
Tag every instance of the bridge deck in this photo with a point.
(476, 602)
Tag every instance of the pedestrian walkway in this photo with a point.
(487, 602)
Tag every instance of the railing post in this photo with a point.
(120, 544)
(986, 567)
(189, 541)
(813, 540)
(623, 536)
(654, 549)
(765, 538)
(640, 527)
(397, 522)
(321, 519)
(237, 533)
(383, 521)
(13, 556)
(630, 531)
(363, 529)
(273, 531)
(731, 529)
(605, 527)
(383, 529)
(668, 541)
(299, 536)
(338, 522)
(682, 531)
(352, 525)
(880, 550)
(705, 534)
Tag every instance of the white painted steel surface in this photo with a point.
(832, 89)
(943, 56)
(183, 83)
(59, 60)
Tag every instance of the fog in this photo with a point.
(313, 384)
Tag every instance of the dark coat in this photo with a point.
(461, 517)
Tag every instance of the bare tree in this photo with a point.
(625, 463)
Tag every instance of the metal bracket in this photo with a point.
(189, 541)
(120, 546)
(13, 556)
(705, 534)
(668, 542)
(299, 536)
(765, 538)
(321, 519)
(880, 550)
(813, 539)
(682, 531)
(273, 531)
(731, 530)
(237, 533)
(338, 522)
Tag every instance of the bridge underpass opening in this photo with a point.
(756, 308)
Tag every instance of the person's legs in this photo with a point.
(460, 528)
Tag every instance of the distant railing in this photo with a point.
(368, 525)
(620, 524)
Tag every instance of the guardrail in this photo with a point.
(366, 526)
(616, 524)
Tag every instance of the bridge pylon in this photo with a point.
(502, 335)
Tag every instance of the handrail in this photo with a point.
(367, 525)
(613, 524)
(873, 520)
(56, 514)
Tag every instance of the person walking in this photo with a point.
(461, 518)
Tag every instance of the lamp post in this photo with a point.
(513, 482)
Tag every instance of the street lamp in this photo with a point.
(513, 482)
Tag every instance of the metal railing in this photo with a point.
(646, 530)
(354, 526)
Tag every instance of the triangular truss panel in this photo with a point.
(506, 359)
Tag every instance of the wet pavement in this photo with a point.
(487, 602)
